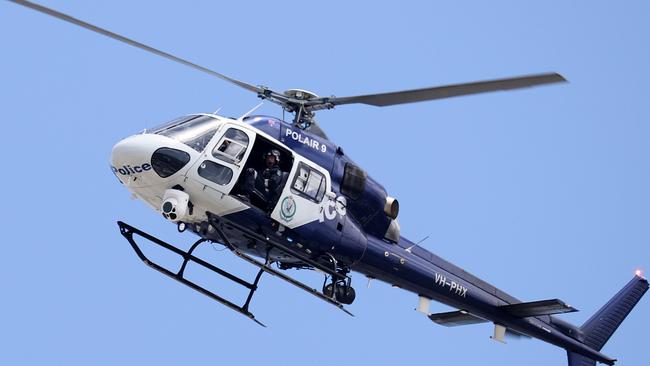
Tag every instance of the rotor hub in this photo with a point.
(300, 94)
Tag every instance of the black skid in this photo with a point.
(129, 231)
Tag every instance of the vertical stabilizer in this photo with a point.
(599, 328)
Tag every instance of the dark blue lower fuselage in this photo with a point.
(407, 266)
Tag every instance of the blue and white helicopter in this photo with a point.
(281, 195)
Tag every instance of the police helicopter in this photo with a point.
(281, 195)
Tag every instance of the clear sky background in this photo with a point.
(542, 192)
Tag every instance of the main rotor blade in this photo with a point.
(133, 43)
(448, 91)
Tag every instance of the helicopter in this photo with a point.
(280, 195)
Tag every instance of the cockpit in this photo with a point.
(224, 165)
(221, 166)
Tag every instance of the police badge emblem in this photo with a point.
(287, 208)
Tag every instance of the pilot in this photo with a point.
(268, 181)
(272, 175)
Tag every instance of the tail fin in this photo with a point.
(599, 328)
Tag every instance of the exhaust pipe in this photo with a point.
(391, 207)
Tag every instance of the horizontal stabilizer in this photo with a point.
(537, 308)
(576, 359)
(455, 318)
(516, 335)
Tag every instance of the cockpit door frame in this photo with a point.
(236, 167)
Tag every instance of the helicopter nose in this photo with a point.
(131, 160)
(147, 159)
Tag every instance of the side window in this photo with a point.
(354, 181)
(232, 146)
(309, 182)
(215, 172)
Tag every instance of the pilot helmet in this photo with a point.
(275, 153)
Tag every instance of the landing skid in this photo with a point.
(129, 232)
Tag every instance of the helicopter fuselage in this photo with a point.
(328, 209)
(285, 193)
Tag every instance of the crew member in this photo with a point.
(271, 177)
(268, 181)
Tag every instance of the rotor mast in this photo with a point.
(303, 116)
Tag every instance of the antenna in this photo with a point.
(249, 112)
(416, 244)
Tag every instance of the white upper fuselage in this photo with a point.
(131, 161)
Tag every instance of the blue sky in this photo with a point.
(542, 192)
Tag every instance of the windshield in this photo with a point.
(194, 131)
(169, 124)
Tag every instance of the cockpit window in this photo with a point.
(194, 132)
(232, 146)
(215, 172)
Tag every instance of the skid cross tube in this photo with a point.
(266, 268)
(128, 231)
(219, 224)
